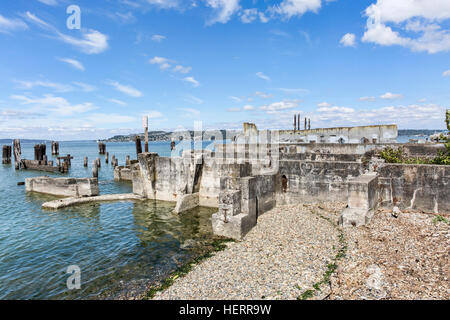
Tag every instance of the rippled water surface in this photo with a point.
(116, 245)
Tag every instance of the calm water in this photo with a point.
(118, 246)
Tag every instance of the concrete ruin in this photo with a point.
(64, 187)
(262, 169)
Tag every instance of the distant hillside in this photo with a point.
(414, 132)
(163, 136)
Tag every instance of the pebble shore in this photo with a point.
(283, 256)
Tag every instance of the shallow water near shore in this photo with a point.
(119, 247)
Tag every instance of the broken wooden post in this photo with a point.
(101, 148)
(45, 159)
(107, 157)
(309, 124)
(99, 164)
(95, 169)
(138, 145)
(145, 124)
(6, 159)
(127, 163)
(85, 162)
(306, 124)
(17, 154)
(295, 122)
(55, 148)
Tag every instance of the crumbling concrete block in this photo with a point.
(187, 202)
(362, 200)
(66, 187)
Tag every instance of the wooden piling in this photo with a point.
(127, 161)
(94, 169)
(101, 148)
(107, 158)
(17, 154)
(6, 158)
(85, 162)
(55, 148)
(138, 145)
(99, 164)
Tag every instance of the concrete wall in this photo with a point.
(67, 187)
(422, 187)
(309, 181)
(377, 134)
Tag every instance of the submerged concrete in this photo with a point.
(67, 202)
(66, 187)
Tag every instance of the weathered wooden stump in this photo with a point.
(138, 145)
(6, 158)
(107, 157)
(128, 161)
(95, 169)
(55, 148)
(99, 163)
(101, 148)
(85, 162)
(17, 154)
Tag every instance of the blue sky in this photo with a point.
(223, 62)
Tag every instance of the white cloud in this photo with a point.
(153, 114)
(128, 90)
(291, 8)
(248, 107)
(58, 105)
(279, 106)
(119, 102)
(249, 15)
(369, 99)
(158, 37)
(263, 95)
(182, 69)
(190, 111)
(262, 76)
(192, 99)
(391, 96)
(164, 4)
(27, 85)
(91, 41)
(446, 73)
(237, 99)
(49, 2)
(234, 109)
(109, 118)
(84, 86)
(324, 105)
(336, 109)
(348, 40)
(8, 25)
(192, 81)
(223, 10)
(74, 63)
(418, 19)
(293, 90)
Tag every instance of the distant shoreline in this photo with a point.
(163, 136)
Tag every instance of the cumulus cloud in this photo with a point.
(409, 23)
(324, 105)
(291, 8)
(446, 73)
(391, 96)
(223, 10)
(128, 90)
(348, 40)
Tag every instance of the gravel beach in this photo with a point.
(283, 256)
(406, 257)
(403, 257)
